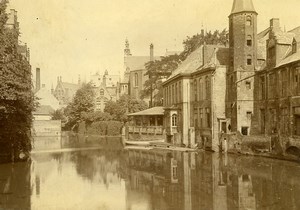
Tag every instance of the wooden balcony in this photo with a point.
(148, 130)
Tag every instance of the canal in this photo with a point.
(105, 176)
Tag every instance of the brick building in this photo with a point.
(251, 88)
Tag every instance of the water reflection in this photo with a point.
(113, 178)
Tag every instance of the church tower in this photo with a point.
(127, 49)
(240, 77)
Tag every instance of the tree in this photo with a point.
(17, 98)
(161, 69)
(83, 102)
(125, 105)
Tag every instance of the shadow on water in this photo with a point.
(113, 178)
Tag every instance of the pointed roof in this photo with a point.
(242, 6)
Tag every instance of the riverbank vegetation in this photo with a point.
(16, 98)
(81, 115)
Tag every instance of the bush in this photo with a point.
(105, 128)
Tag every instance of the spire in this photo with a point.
(127, 49)
(242, 6)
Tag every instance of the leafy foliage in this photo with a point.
(17, 98)
(159, 70)
(119, 109)
(82, 104)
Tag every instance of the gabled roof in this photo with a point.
(46, 98)
(137, 62)
(71, 86)
(190, 64)
(290, 59)
(242, 6)
(159, 110)
(220, 56)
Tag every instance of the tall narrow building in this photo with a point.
(240, 80)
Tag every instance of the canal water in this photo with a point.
(112, 178)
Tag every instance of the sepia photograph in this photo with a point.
(149, 105)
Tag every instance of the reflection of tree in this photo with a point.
(98, 164)
(15, 186)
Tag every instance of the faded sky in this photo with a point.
(72, 37)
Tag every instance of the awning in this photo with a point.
(149, 112)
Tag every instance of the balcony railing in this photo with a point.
(152, 130)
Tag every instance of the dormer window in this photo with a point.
(294, 46)
(248, 21)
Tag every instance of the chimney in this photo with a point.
(275, 24)
(38, 79)
(151, 52)
(79, 80)
(60, 79)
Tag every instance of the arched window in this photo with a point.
(249, 60)
(174, 120)
(136, 80)
(249, 40)
(248, 20)
(101, 92)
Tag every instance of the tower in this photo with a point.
(240, 77)
(127, 49)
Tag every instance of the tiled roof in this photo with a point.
(191, 63)
(215, 55)
(262, 37)
(137, 62)
(159, 110)
(44, 110)
(242, 6)
(284, 37)
(71, 86)
(220, 56)
(290, 59)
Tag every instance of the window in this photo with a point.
(248, 85)
(195, 89)
(175, 93)
(249, 115)
(262, 87)
(207, 88)
(200, 89)
(249, 40)
(284, 120)
(273, 115)
(284, 83)
(208, 117)
(262, 121)
(101, 92)
(136, 80)
(248, 21)
(179, 92)
(272, 87)
(174, 120)
(201, 117)
(249, 60)
(245, 131)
